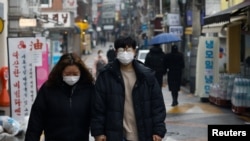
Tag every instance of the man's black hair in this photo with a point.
(119, 43)
(130, 42)
(125, 41)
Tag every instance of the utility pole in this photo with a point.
(174, 7)
(196, 27)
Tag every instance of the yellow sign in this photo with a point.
(82, 25)
(1, 25)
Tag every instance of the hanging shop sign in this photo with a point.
(171, 19)
(69, 4)
(57, 19)
(176, 30)
(23, 22)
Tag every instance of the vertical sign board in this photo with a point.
(207, 70)
(24, 54)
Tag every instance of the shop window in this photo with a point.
(46, 3)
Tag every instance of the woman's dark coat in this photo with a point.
(175, 64)
(155, 60)
(108, 108)
(63, 112)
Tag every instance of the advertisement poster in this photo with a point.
(24, 54)
(207, 66)
(42, 71)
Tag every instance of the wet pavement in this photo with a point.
(189, 120)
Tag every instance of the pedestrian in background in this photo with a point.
(128, 103)
(155, 60)
(111, 54)
(99, 62)
(62, 108)
(175, 65)
(145, 42)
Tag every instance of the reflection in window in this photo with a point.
(44, 1)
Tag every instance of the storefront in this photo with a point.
(57, 24)
(231, 27)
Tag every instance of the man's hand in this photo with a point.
(100, 138)
(156, 138)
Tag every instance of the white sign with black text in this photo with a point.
(176, 30)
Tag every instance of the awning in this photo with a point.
(225, 15)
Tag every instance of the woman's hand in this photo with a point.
(156, 138)
(100, 138)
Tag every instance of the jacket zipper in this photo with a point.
(70, 98)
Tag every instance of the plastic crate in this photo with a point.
(241, 110)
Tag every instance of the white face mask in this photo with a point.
(125, 57)
(100, 54)
(71, 80)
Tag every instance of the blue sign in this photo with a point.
(209, 65)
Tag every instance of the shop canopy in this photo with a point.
(225, 15)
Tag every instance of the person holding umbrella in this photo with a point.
(155, 60)
(175, 64)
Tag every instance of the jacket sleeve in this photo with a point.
(158, 110)
(99, 108)
(36, 119)
(182, 61)
(147, 60)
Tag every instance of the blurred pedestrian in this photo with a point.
(99, 62)
(103, 41)
(111, 54)
(145, 42)
(155, 60)
(128, 104)
(87, 48)
(62, 107)
(175, 65)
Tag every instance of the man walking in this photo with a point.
(175, 65)
(155, 60)
(128, 103)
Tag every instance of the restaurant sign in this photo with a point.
(57, 19)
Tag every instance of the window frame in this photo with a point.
(46, 5)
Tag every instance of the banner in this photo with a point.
(207, 66)
(24, 54)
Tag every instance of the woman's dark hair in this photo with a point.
(69, 59)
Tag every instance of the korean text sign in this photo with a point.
(24, 54)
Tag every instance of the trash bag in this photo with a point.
(10, 125)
